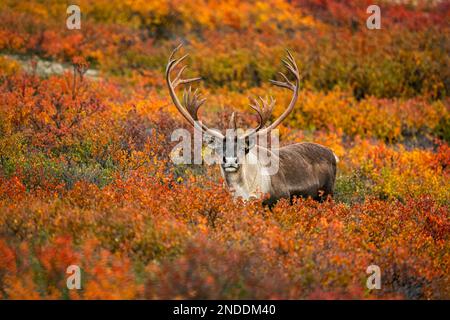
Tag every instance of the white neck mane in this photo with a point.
(251, 180)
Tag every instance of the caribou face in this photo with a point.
(304, 169)
(232, 150)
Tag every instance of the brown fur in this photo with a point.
(306, 170)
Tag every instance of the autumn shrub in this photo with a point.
(210, 270)
(212, 247)
(407, 59)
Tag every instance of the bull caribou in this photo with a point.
(304, 169)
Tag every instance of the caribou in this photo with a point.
(304, 169)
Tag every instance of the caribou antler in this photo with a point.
(192, 101)
(265, 111)
(290, 64)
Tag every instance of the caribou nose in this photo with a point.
(231, 161)
(230, 164)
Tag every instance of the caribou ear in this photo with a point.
(233, 125)
(250, 142)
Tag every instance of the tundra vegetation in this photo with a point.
(85, 171)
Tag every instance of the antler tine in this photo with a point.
(291, 59)
(177, 81)
(267, 107)
(177, 61)
(291, 65)
(185, 81)
(177, 78)
(171, 61)
(255, 106)
(285, 78)
(281, 84)
(185, 97)
(175, 51)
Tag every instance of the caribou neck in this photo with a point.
(248, 181)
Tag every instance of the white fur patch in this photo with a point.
(265, 180)
(252, 158)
